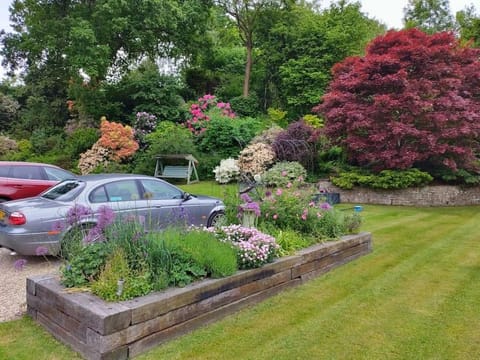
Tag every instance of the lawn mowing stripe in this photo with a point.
(383, 301)
(270, 331)
(342, 337)
(345, 313)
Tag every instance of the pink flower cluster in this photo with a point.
(254, 247)
(199, 118)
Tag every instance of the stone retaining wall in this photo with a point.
(101, 330)
(440, 195)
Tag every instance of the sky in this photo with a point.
(389, 12)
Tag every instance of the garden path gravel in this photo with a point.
(13, 303)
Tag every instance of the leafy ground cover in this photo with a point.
(416, 296)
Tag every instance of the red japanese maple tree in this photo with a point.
(412, 101)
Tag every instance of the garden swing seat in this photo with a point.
(177, 166)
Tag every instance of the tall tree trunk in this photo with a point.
(248, 70)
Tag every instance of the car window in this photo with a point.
(125, 190)
(158, 190)
(98, 195)
(55, 174)
(65, 191)
(27, 172)
(4, 171)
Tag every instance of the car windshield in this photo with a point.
(65, 191)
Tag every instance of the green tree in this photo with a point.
(246, 14)
(79, 43)
(144, 89)
(219, 65)
(300, 46)
(8, 111)
(430, 16)
(469, 25)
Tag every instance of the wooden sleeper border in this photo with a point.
(102, 330)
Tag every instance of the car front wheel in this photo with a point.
(216, 219)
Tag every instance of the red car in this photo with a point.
(20, 180)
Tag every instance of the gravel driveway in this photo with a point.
(13, 282)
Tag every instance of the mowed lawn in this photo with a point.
(416, 296)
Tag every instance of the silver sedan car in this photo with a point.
(29, 224)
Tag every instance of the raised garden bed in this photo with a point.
(101, 330)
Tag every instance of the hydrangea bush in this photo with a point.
(256, 158)
(227, 171)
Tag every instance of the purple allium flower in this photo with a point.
(106, 216)
(252, 206)
(326, 206)
(246, 198)
(41, 251)
(77, 213)
(58, 226)
(95, 234)
(19, 264)
(268, 193)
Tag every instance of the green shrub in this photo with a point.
(84, 265)
(245, 106)
(278, 117)
(168, 138)
(386, 179)
(226, 136)
(313, 120)
(117, 269)
(184, 269)
(331, 224)
(284, 172)
(128, 233)
(352, 221)
(289, 240)
(217, 258)
(206, 165)
(44, 140)
(331, 159)
(80, 141)
(460, 177)
(24, 151)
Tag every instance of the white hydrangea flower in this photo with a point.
(227, 171)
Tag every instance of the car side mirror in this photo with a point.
(186, 196)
